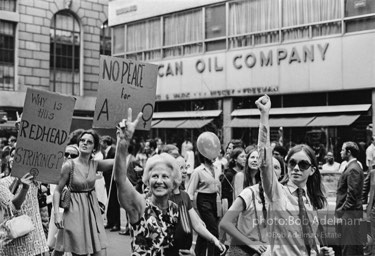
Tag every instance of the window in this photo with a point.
(105, 39)
(65, 54)
(183, 33)
(118, 39)
(7, 34)
(144, 36)
(215, 28)
(8, 5)
(365, 9)
(247, 18)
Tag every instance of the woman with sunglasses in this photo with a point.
(292, 215)
(81, 227)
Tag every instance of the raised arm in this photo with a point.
(132, 201)
(269, 179)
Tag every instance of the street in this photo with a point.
(119, 245)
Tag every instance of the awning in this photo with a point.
(244, 122)
(8, 125)
(168, 123)
(274, 122)
(304, 110)
(186, 114)
(342, 120)
(154, 122)
(290, 122)
(194, 123)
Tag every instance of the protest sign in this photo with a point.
(125, 84)
(43, 135)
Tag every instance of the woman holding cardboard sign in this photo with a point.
(81, 227)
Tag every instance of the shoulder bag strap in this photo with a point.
(71, 176)
(256, 215)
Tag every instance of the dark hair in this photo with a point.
(247, 173)
(94, 135)
(74, 136)
(282, 166)
(152, 143)
(314, 182)
(237, 143)
(281, 150)
(107, 140)
(233, 156)
(352, 147)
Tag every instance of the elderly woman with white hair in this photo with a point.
(153, 219)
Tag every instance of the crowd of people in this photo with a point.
(180, 201)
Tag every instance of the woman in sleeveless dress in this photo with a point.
(81, 227)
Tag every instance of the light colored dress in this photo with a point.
(83, 231)
(33, 243)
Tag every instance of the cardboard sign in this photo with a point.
(125, 84)
(43, 135)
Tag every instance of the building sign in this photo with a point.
(124, 84)
(315, 65)
(43, 135)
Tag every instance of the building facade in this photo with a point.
(316, 59)
(54, 46)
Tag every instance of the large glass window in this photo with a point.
(8, 5)
(246, 18)
(215, 28)
(7, 33)
(118, 39)
(360, 8)
(105, 39)
(144, 36)
(65, 53)
(183, 33)
(310, 12)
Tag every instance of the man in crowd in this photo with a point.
(113, 212)
(370, 154)
(330, 165)
(349, 202)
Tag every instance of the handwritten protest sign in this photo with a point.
(122, 84)
(43, 135)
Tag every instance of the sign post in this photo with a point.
(43, 135)
(125, 84)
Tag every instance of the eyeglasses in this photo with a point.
(72, 156)
(90, 142)
(303, 164)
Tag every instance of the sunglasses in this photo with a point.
(67, 155)
(89, 142)
(303, 164)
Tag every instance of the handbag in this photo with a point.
(18, 226)
(66, 194)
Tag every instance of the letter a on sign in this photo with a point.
(125, 84)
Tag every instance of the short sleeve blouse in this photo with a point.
(154, 232)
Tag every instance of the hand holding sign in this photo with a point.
(126, 128)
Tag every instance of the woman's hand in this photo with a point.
(219, 245)
(261, 248)
(26, 180)
(58, 220)
(327, 251)
(264, 104)
(126, 127)
(183, 252)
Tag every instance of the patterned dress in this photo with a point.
(33, 243)
(153, 233)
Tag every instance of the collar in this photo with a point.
(293, 188)
(353, 159)
(107, 150)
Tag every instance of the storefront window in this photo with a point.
(247, 17)
(359, 7)
(183, 32)
(65, 54)
(144, 35)
(7, 33)
(118, 39)
(215, 27)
